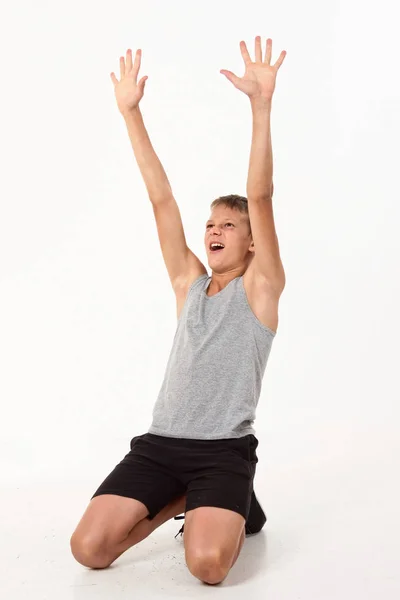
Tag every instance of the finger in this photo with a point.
(268, 52)
(121, 67)
(142, 82)
(280, 59)
(128, 60)
(231, 76)
(136, 64)
(245, 53)
(114, 79)
(258, 51)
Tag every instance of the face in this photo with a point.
(230, 228)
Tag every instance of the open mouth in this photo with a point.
(216, 247)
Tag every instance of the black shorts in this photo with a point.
(159, 469)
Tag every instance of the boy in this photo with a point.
(199, 455)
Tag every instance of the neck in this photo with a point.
(221, 280)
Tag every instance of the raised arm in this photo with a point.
(180, 261)
(128, 94)
(258, 83)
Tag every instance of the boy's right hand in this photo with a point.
(127, 91)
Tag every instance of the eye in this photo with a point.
(208, 226)
(229, 224)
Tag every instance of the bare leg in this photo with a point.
(102, 536)
(145, 527)
(240, 545)
(214, 538)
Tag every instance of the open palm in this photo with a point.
(260, 76)
(128, 91)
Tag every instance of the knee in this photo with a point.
(209, 566)
(89, 552)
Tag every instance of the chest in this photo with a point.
(259, 298)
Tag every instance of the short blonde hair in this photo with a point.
(233, 201)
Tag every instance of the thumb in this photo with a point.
(231, 76)
(142, 83)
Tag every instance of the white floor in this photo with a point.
(332, 533)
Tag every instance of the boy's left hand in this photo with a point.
(258, 82)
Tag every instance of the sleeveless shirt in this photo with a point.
(214, 373)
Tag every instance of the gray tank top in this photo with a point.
(213, 378)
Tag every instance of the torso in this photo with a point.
(262, 300)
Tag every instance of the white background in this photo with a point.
(87, 313)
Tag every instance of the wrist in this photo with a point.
(130, 112)
(261, 104)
